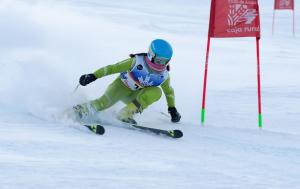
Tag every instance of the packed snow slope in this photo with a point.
(45, 45)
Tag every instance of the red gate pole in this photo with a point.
(258, 85)
(204, 82)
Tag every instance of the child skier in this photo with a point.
(137, 85)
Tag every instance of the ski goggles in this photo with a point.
(157, 60)
(154, 66)
(160, 60)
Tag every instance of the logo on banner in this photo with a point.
(239, 13)
(285, 3)
(240, 19)
(234, 18)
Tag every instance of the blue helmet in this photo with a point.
(160, 52)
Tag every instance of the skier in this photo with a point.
(137, 85)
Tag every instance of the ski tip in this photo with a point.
(97, 129)
(177, 133)
(100, 130)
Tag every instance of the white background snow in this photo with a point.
(45, 45)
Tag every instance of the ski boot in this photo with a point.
(126, 113)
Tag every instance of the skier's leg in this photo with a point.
(148, 96)
(137, 102)
(114, 92)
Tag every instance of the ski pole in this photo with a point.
(77, 86)
(163, 113)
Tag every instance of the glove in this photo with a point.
(86, 79)
(175, 116)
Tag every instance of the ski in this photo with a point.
(96, 128)
(99, 129)
(169, 133)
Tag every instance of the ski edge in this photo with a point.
(170, 133)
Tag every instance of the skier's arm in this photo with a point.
(169, 93)
(119, 67)
(170, 96)
(122, 66)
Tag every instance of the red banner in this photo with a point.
(234, 18)
(284, 4)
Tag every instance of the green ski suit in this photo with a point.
(118, 91)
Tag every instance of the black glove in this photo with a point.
(86, 79)
(175, 116)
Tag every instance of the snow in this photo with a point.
(46, 45)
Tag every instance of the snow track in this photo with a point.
(46, 45)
